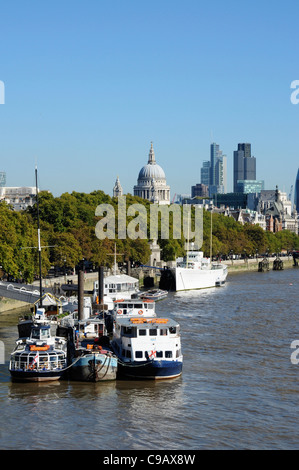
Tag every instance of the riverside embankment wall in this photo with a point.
(234, 267)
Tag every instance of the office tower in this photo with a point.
(221, 172)
(205, 173)
(214, 152)
(244, 165)
(217, 170)
(296, 199)
(246, 148)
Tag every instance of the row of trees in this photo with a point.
(68, 235)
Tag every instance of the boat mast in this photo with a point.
(39, 245)
(187, 259)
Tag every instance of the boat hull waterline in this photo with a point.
(191, 279)
(94, 367)
(154, 370)
(35, 376)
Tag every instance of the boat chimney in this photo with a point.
(80, 294)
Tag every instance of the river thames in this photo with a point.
(239, 388)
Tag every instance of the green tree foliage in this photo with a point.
(68, 225)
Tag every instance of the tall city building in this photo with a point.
(205, 173)
(218, 171)
(296, 198)
(244, 165)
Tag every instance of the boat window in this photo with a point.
(128, 354)
(153, 332)
(138, 354)
(142, 332)
(168, 354)
(127, 330)
(163, 332)
(172, 330)
(150, 306)
(159, 354)
(45, 334)
(35, 333)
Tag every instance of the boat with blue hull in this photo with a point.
(39, 355)
(147, 348)
(92, 359)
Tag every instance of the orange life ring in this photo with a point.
(119, 312)
(140, 312)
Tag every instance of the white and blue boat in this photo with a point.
(147, 347)
(40, 354)
(129, 308)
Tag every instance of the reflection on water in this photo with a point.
(238, 390)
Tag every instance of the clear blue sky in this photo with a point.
(89, 84)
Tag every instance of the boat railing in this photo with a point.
(217, 266)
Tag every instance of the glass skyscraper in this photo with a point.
(244, 165)
(296, 198)
(217, 182)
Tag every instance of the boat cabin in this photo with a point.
(40, 332)
(91, 328)
(134, 307)
(118, 285)
(141, 339)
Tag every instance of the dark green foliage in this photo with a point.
(68, 224)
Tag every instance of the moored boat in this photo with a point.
(39, 355)
(147, 348)
(154, 294)
(117, 286)
(194, 271)
(129, 308)
(92, 359)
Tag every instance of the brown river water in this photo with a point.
(239, 388)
